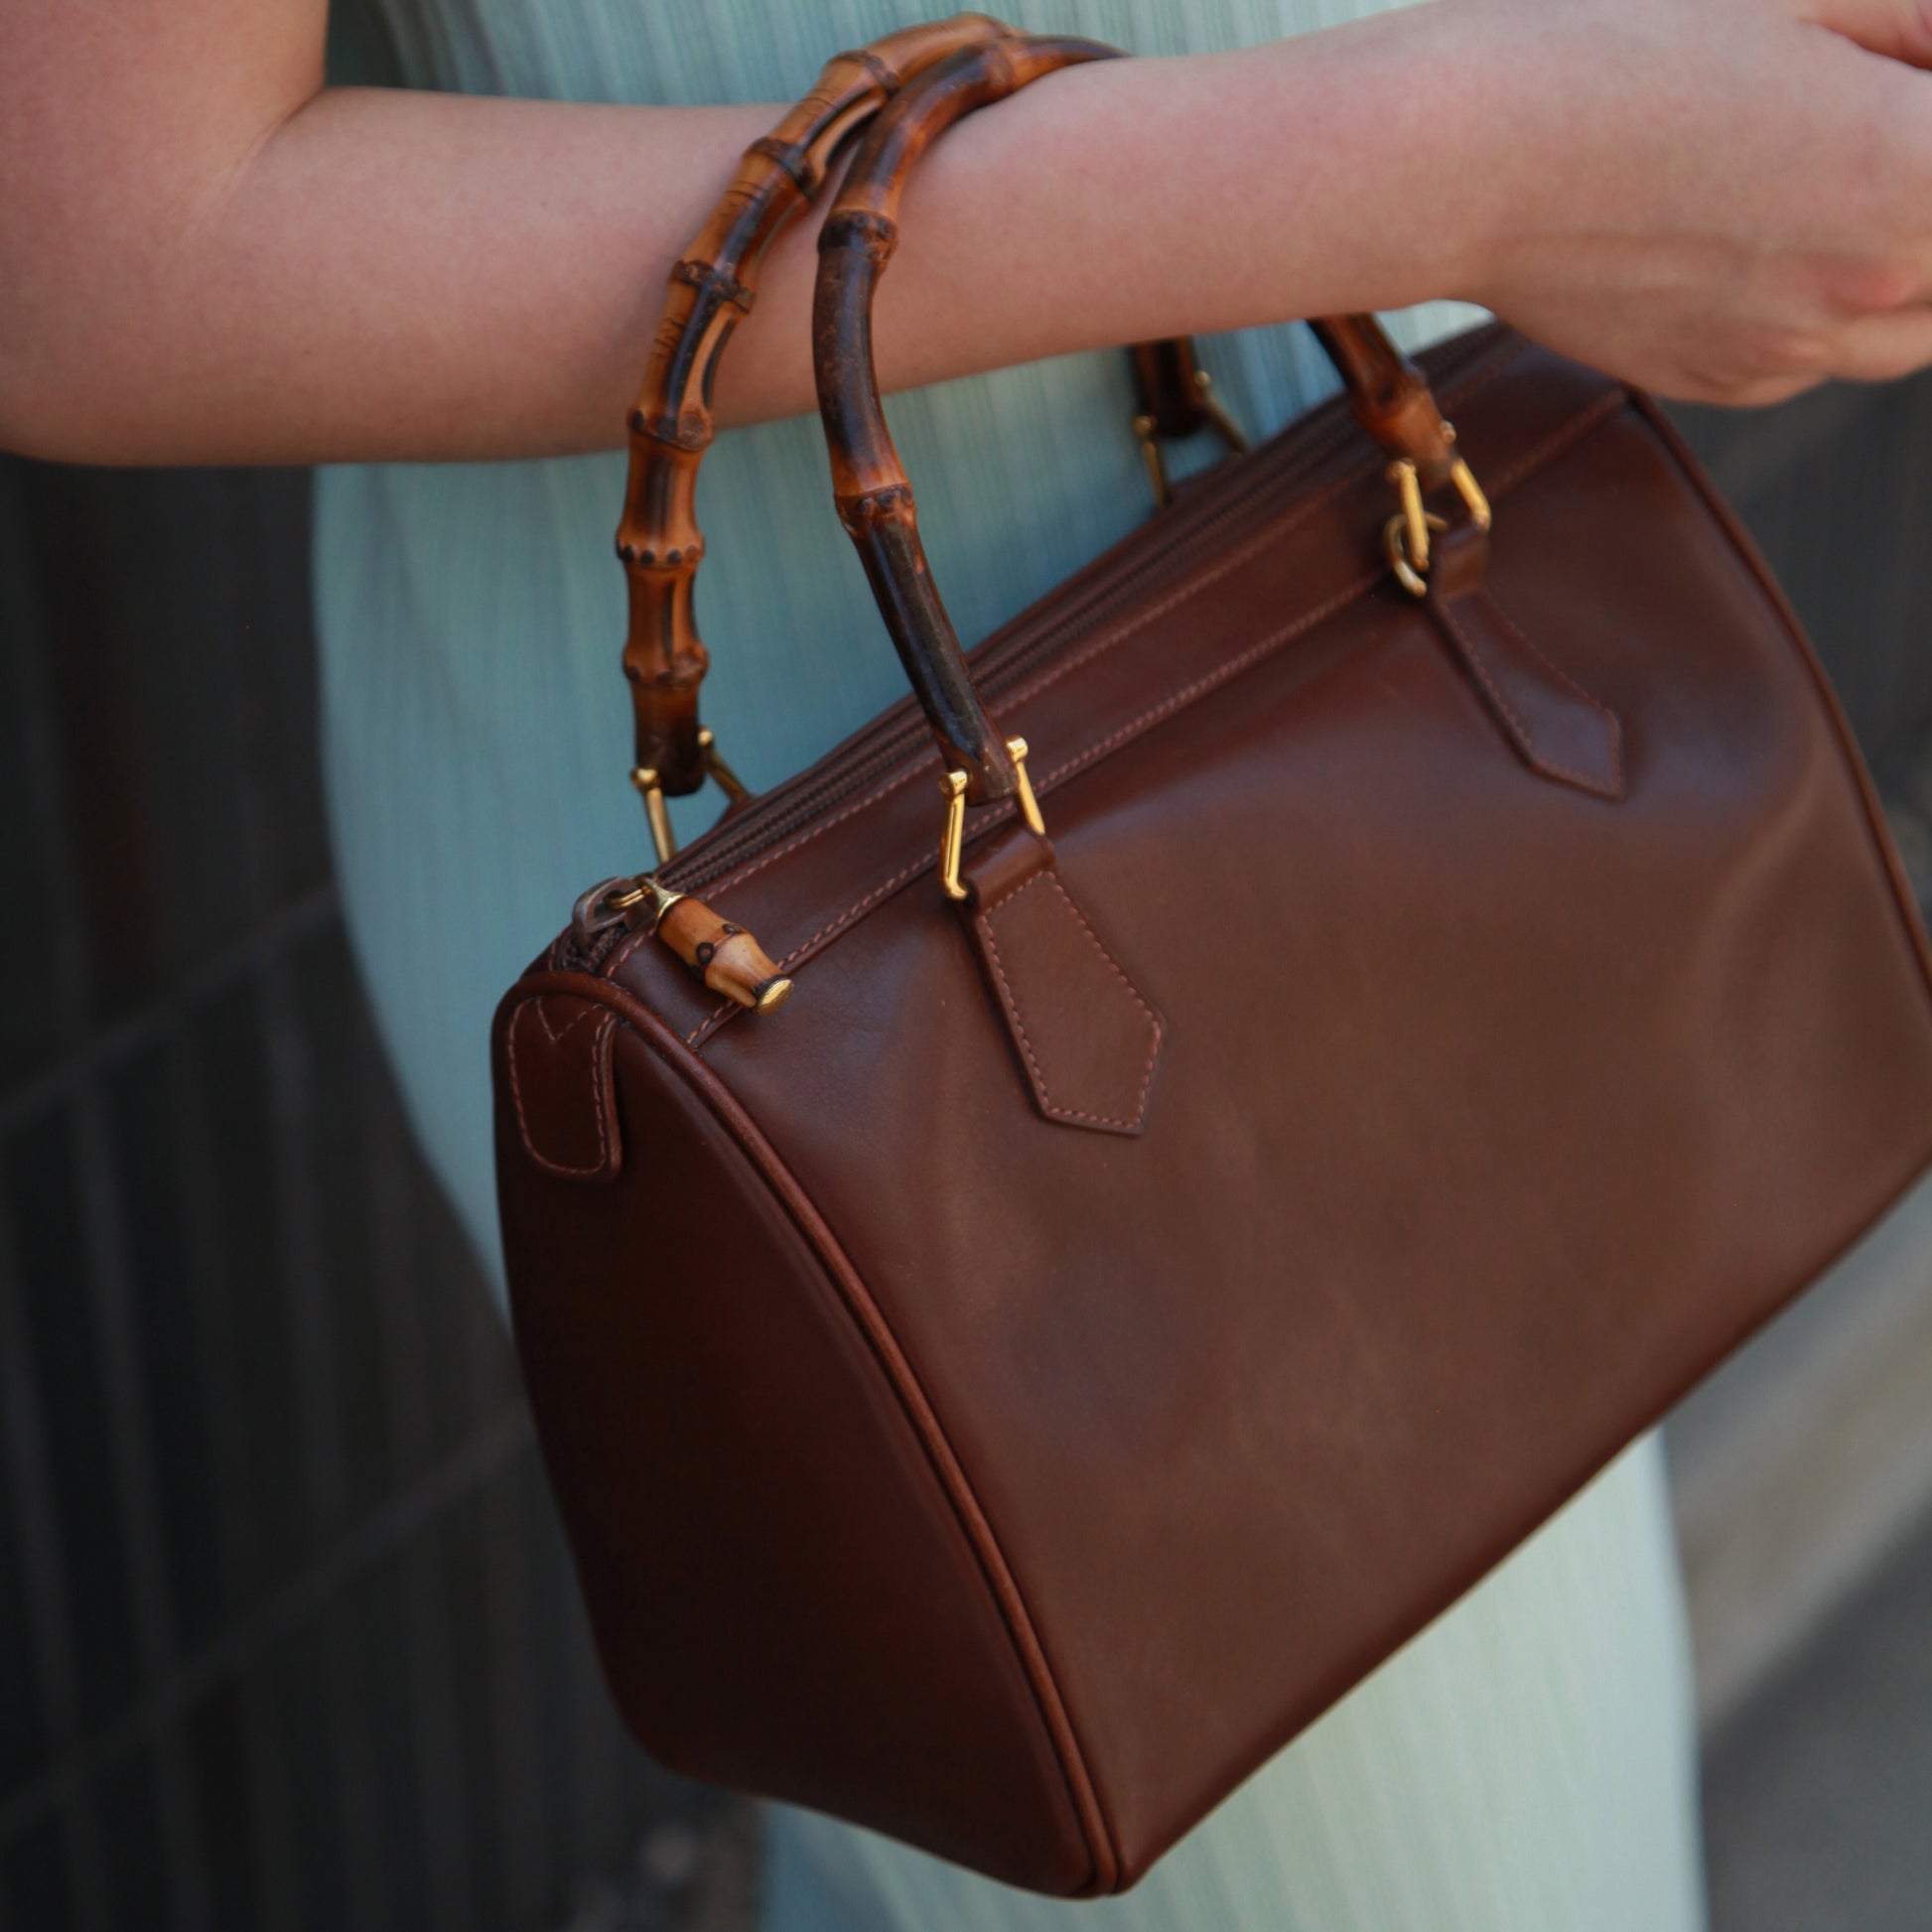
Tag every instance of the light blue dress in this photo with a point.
(1528, 1765)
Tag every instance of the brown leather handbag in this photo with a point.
(1304, 1044)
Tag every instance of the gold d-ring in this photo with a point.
(1405, 537)
(1396, 546)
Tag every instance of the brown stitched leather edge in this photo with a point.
(602, 1096)
(983, 919)
(899, 1372)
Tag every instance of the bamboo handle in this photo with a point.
(875, 499)
(671, 424)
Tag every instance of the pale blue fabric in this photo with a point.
(1528, 1765)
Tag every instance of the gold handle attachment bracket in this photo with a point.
(657, 813)
(952, 837)
(1405, 536)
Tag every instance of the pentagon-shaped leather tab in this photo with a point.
(557, 1054)
(1085, 1036)
(1557, 728)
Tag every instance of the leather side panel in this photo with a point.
(780, 1590)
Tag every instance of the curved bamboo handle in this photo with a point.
(869, 482)
(671, 424)
(1390, 395)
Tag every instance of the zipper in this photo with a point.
(1228, 504)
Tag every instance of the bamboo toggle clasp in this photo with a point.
(724, 955)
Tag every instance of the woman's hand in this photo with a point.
(1721, 200)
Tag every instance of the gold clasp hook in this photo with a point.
(657, 813)
(1146, 432)
(952, 838)
(1405, 537)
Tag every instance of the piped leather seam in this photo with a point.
(985, 924)
(906, 1383)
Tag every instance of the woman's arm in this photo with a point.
(205, 256)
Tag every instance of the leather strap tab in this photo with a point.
(1086, 1037)
(1557, 726)
(557, 1056)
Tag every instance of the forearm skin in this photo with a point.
(355, 274)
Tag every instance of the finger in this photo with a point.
(1881, 348)
(1901, 30)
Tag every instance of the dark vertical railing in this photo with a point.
(288, 1640)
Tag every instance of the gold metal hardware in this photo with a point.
(727, 958)
(771, 995)
(1405, 537)
(606, 905)
(1157, 464)
(1029, 804)
(611, 901)
(728, 782)
(657, 813)
(1394, 542)
(661, 898)
(952, 836)
(1146, 432)
(1415, 524)
(1218, 414)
